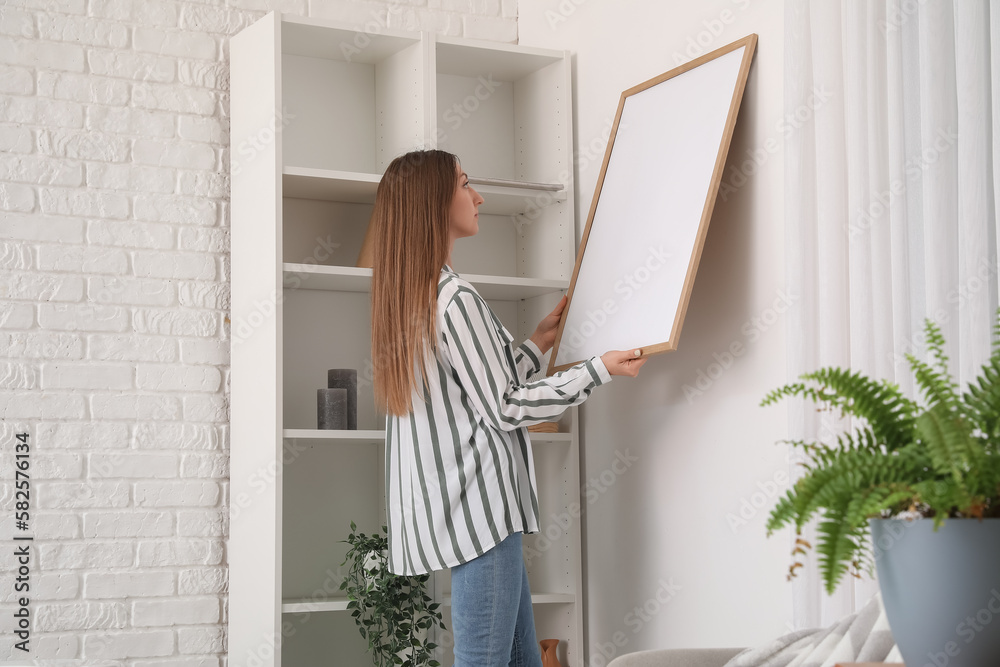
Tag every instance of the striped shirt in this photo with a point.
(459, 471)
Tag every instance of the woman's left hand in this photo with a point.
(545, 335)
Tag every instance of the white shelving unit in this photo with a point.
(318, 111)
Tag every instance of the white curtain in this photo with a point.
(892, 110)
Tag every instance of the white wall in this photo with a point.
(668, 525)
(114, 303)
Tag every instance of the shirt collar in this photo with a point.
(448, 269)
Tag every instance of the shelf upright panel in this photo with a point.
(255, 529)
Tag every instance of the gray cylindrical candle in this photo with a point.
(346, 378)
(331, 408)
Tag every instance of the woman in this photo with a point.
(458, 398)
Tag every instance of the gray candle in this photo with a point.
(331, 407)
(346, 378)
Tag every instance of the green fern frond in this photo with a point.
(948, 441)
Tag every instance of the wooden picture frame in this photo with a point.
(651, 209)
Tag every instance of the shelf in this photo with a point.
(358, 279)
(372, 435)
(304, 606)
(352, 437)
(359, 188)
(320, 38)
(536, 598)
(466, 57)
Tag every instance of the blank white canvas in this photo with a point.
(631, 276)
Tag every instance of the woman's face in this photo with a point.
(464, 213)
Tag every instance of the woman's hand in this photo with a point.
(545, 335)
(620, 362)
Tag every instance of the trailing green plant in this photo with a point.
(393, 613)
(937, 458)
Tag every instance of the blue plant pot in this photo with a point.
(941, 590)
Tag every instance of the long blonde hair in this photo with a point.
(410, 229)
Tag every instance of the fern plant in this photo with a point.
(936, 458)
(394, 613)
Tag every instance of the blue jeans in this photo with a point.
(491, 614)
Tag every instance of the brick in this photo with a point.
(210, 19)
(204, 239)
(202, 74)
(56, 525)
(201, 640)
(20, 109)
(62, 28)
(131, 65)
(206, 408)
(15, 139)
(81, 259)
(51, 646)
(89, 375)
(215, 296)
(119, 525)
(212, 466)
(176, 494)
(41, 169)
(201, 661)
(14, 375)
(86, 88)
(156, 14)
(89, 555)
(195, 351)
(14, 256)
(134, 465)
(188, 155)
(85, 145)
(37, 227)
(60, 113)
(207, 130)
(487, 27)
(203, 184)
(16, 80)
(132, 291)
(41, 345)
(17, 23)
(175, 322)
(130, 178)
(175, 43)
(178, 378)
(65, 201)
(18, 315)
(16, 197)
(65, 616)
(86, 435)
(171, 97)
(132, 347)
(130, 644)
(422, 19)
(82, 317)
(351, 12)
(47, 465)
(174, 265)
(35, 405)
(130, 234)
(40, 287)
(44, 586)
(179, 552)
(65, 495)
(199, 437)
(43, 55)
(174, 208)
(185, 611)
(62, 6)
(203, 524)
(135, 406)
(99, 585)
(134, 122)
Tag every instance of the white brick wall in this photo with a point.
(114, 301)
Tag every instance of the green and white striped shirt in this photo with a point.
(459, 471)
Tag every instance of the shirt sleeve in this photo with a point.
(485, 365)
(528, 359)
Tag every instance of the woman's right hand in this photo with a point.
(620, 362)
